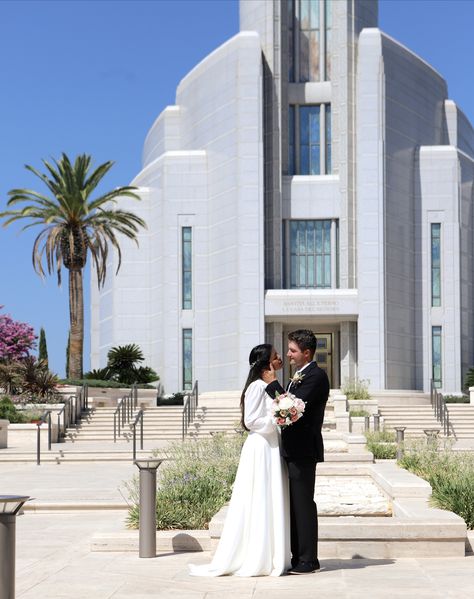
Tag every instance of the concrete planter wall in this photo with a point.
(369, 405)
(102, 398)
(24, 435)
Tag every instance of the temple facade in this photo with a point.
(313, 173)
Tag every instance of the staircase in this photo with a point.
(416, 418)
(461, 417)
(163, 423)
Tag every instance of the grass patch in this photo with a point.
(356, 413)
(456, 398)
(382, 444)
(102, 383)
(356, 389)
(450, 474)
(194, 483)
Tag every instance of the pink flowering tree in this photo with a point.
(16, 338)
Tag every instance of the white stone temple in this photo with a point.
(313, 173)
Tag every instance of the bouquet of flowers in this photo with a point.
(287, 409)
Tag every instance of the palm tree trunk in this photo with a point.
(76, 318)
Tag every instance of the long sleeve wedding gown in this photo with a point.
(255, 539)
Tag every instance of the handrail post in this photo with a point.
(141, 431)
(49, 430)
(134, 442)
(38, 444)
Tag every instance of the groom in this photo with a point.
(302, 446)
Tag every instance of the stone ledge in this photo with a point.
(166, 540)
(342, 537)
(397, 482)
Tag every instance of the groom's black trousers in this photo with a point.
(303, 511)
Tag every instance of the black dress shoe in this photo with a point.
(305, 568)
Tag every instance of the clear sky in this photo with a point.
(92, 76)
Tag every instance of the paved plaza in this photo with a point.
(55, 561)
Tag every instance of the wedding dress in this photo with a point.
(255, 539)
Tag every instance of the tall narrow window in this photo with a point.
(436, 347)
(307, 135)
(291, 141)
(291, 40)
(308, 47)
(328, 139)
(310, 140)
(309, 41)
(310, 253)
(186, 259)
(328, 28)
(435, 264)
(187, 358)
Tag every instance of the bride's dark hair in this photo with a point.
(259, 359)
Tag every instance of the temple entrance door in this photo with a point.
(323, 355)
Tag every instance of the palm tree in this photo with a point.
(72, 227)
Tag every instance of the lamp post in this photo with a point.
(147, 532)
(400, 440)
(10, 505)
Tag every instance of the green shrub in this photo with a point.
(194, 483)
(456, 398)
(173, 399)
(9, 412)
(358, 413)
(382, 444)
(450, 474)
(356, 389)
(469, 379)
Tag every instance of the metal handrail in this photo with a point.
(138, 417)
(438, 403)
(124, 411)
(72, 410)
(65, 412)
(190, 404)
(45, 416)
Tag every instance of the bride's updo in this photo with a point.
(259, 359)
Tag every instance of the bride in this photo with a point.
(255, 540)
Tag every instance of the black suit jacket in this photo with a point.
(303, 438)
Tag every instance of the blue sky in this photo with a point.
(92, 76)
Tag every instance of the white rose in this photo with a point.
(285, 403)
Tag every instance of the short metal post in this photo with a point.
(7, 555)
(367, 423)
(376, 422)
(10, 505)
(431, 437)
(400, 440)
(147, 530)
(141, 432)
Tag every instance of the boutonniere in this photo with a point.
(297, 378)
